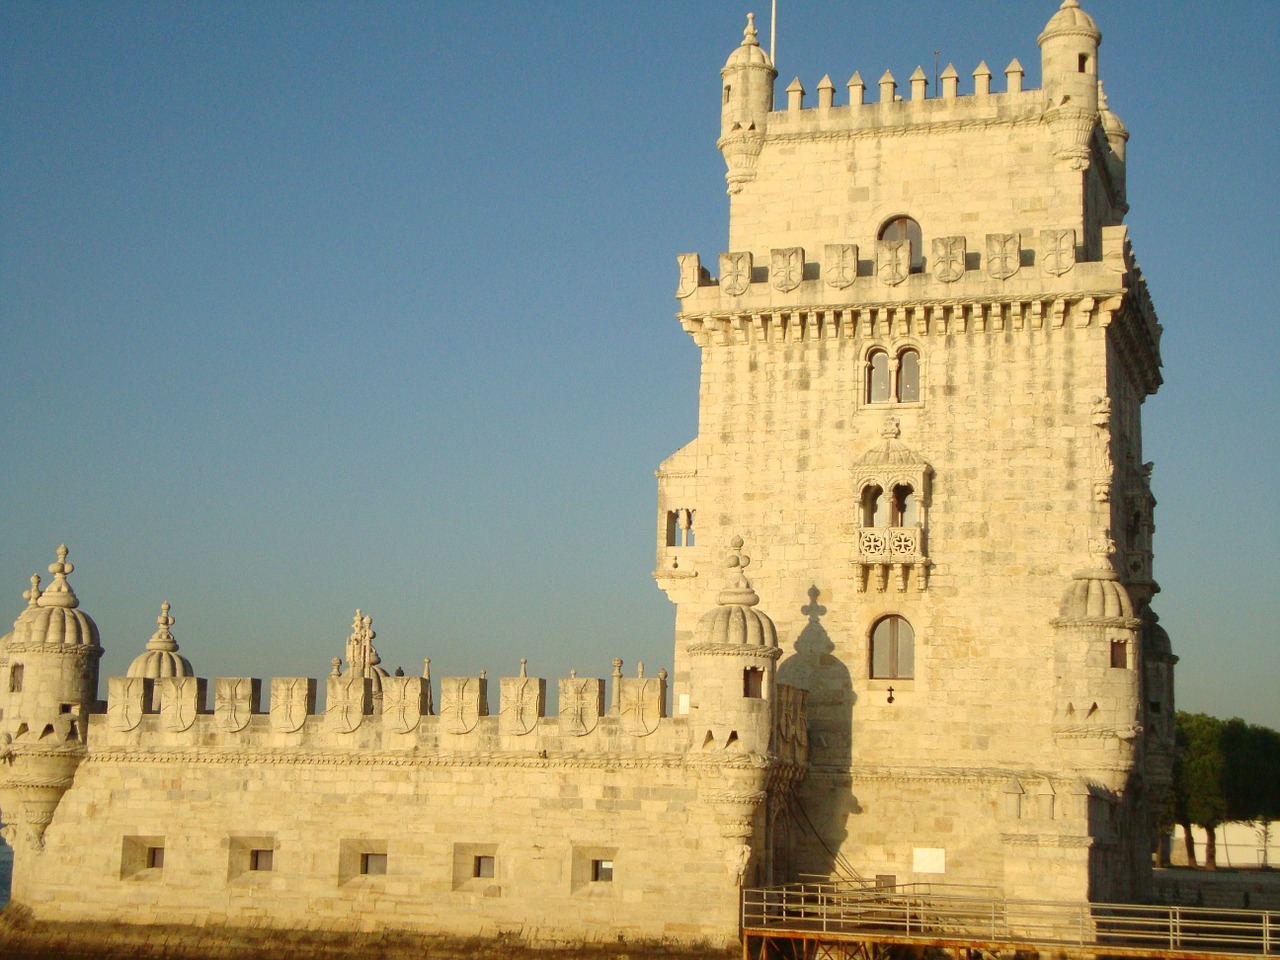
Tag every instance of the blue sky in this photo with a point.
(316, 306)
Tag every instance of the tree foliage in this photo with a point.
(1227, 770)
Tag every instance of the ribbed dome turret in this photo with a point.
(1070, 20)
(749, 53)
(1097, 593)
(735, 621)
(1155, 639)
(161, 658)
(53, 616)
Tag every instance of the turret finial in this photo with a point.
(162, 639)
(738, 591)
(32, 595)
(750, 33)
(60, 593)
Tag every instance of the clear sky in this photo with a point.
(315, 306)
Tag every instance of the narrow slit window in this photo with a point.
(483, 867)
(15, 678)
(261, 860)
(373, 864)
(602, 871)
(155, 858)
(753, 683)
(1119, 654)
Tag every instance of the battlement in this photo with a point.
(892, 109)
(388, 713)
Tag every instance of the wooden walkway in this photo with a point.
(831, 921)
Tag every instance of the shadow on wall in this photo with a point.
(819, 809)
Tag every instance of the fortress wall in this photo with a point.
(542, 821)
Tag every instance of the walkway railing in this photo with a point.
(934, 913)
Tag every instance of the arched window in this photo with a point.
(873, 512)
(904, 506)
(904, 228)
(908, 377)
(893, 649)
(878, 377)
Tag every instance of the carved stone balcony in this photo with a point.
(881, 551)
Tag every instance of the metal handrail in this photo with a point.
(926, 912)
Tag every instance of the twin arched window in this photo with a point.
(898, 509)
(893, 649)
(896, 379)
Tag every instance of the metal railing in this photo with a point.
(934, 912)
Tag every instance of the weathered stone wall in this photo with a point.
(543, 821)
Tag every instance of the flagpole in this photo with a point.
(773, 35)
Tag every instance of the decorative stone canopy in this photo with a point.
(735, 621)
(749, 53)
(53, 617)
(161, 658)
(1070, 19)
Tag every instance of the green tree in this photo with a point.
(1227, 770)
(1199, 797)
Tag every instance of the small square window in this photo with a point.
(155, 858)
(482, 867)
(261, 859)
(373, 864)
(1155, 706)
(602, 871)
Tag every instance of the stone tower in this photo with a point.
(924, 361)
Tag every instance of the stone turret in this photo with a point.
(53, 655)
(161, 658)
(1069, 68)
(50, 687)
(734, 654)
(746, 97)
(1098, 667)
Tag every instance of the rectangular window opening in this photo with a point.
(373, 864)
(261, 859)
(155, 858)
(602, 871)
(753, 683)
(483, 867)
(1119, 654)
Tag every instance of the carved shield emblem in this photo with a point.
(401, 703)
(786, 268)
(641, 705)
(840, 264)
(521, 705)
(580, 705)
(948, 258)
(233, 703)
(178, 698)
(893, 260)
(345, 708)
(1004, 254)
(690, 274)
(735, 273)
(124, 702)
(460, 709)
(291, 703)
(1057, 251)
